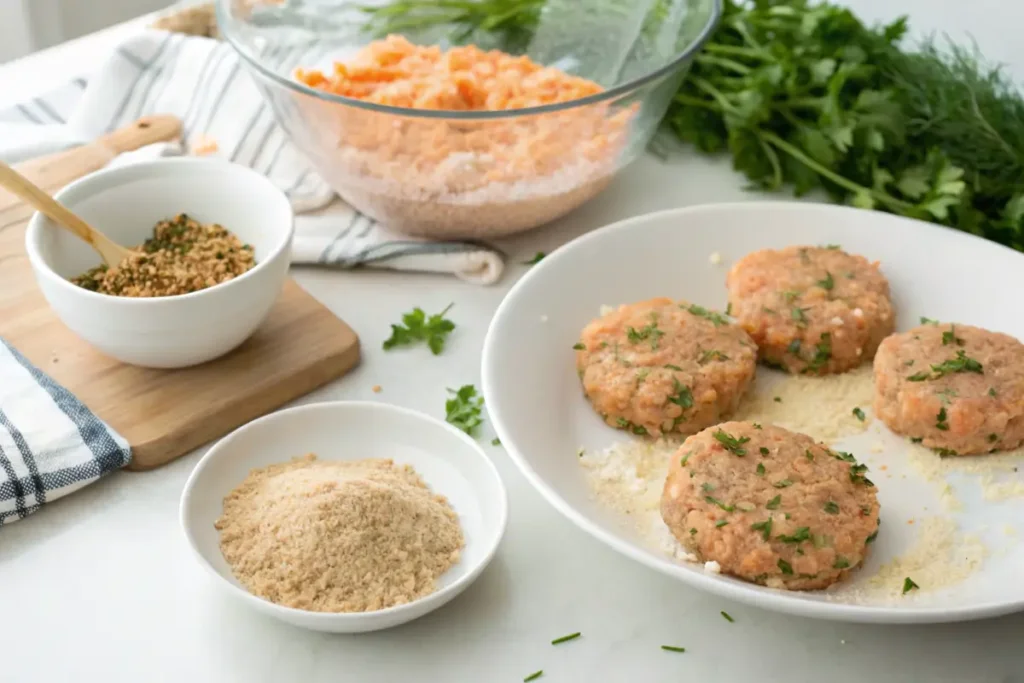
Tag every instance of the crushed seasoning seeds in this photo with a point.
(181, 257)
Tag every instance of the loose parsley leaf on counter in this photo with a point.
(463, 408)
(418, 327)
(536, 259)
(858, 413)
(909, 585)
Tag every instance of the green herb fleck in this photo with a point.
(992, 391)
(841, 563)
(731, 443)
(872, 537)
(416, 326)
(940, 420)
(808, 454)
(777, 399)
(822, 353)
(715, 501)
(495, 441)
(794, 347)
(949, 337)
(774, 503)
(916, 439)
(707, 486)
(828, 283)
(764, 450)
(579, 346)
(928, 321)
(716, 318)
(799, 536)
(649, 331)
(682, 461)
(783, 483)
(713, 354)
(565, 639)
(992, 438)
(673, 648)
(720, 523)
(534, 676)
(909, 585)
(760, 469)
(536, 259)
(463, 408)
(764, 527)
(786, 567)
(832, 508)
(674, 367)
(683, 397)
(725, 615)
(945, 452)
(859, 414)
(799, 316)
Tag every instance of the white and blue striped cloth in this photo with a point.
(50, 444)
(201, 81)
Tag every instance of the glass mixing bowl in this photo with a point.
(472, 174)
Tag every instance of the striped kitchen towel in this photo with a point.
(50, 444)
(202, 81)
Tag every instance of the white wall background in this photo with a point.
(30, 25)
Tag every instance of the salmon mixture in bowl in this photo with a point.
(955, 388)
(660, 367)
(770, 506)
(811, 310)
(450, 176)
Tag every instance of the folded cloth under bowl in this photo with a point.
(201, 81)
(50, 443)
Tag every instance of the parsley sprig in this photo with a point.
(463, 409)
(416, 326)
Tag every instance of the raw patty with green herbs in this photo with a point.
(770, 506)
(664, 367)
(811, 310)
(954, 388)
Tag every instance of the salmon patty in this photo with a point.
(811, 310)
(661, 367)
(770, 506)
(953, 388)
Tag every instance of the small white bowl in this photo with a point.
(125, 203)
(451, 463)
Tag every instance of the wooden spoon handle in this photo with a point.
(145, 131)
(19, 185)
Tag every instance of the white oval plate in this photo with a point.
(534, 398)
(451, 464)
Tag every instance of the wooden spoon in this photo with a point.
(111, 252)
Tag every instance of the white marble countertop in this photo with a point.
(100, 586)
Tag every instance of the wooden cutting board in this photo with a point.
(163, 413)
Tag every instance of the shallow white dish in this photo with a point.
(451, 463)
(125, 203)
(535, 401)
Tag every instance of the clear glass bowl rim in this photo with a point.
(224, 21)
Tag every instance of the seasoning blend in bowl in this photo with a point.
(197, 292)
(395, 515)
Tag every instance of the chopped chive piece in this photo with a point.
(918, 376)
(760, 469)
(928, 321)
(579, 346)
(799, 536)
(715, 501)
(713, 354)
(764, 527)
(777, 399)
(725, 615)
(909, 585)
(799, 316)
(534, 676)
(773, 504)
(840, 563)
(673, 367)
(731, 443)
(832, 508)
(783, 483)
(565, 639)
(673, 648)
(859, 414)
(715, 318)
(720, 523)
(786, 567)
